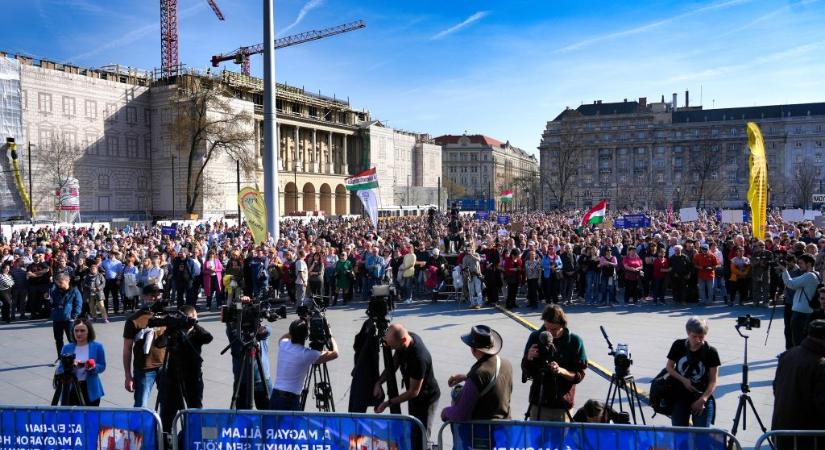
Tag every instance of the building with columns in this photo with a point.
(131, 167)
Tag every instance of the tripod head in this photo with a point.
(621, 356)
(747, 322)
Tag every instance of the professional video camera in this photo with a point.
(748, 322)
(621, 356)
(250, 315)
(622, 383)
(319, 335)
(172, 319)
(67, 362)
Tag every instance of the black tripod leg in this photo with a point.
(58, 394)
(638, 400)
(260, 366)
(758, 419)
(740, 408)
(238, 384)
(329, 386)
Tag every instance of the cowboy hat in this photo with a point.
(483, 339)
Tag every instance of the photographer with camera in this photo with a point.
(554, 358)
(261, 387)
(66, 304)
(804, 287)
(142, 357)
(82, 362)
(294, 362)
(694, 364)
(416, 364)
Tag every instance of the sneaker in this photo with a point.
(408, 301)
(105, 320)
(476, 306)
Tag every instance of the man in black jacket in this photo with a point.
(556, 365)
(799, 389)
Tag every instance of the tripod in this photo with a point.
(745, 399)
(250, 363)
(65, 385)
(627, 384)
(318, 379)
(170, 378)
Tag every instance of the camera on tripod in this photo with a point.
(748, 322)
(172, 319)
(250, 315)
(319, 334)
(67, 362)
(621, 356)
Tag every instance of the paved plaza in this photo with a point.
(27, 350)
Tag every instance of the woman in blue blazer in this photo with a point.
(90, 362)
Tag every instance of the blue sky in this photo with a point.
(499, 68)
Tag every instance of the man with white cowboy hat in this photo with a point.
(489, 383)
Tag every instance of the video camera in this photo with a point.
(547, 354)
(250, 315)
(172, 319)
(748, 322)
(319, 334)
(621, 356)
(67, 362)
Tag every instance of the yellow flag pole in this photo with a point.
(758, 189)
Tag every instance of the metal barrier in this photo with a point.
(207, 429)
(41, 427)
(792, 439)
(561, 435)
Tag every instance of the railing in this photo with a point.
(792, 439)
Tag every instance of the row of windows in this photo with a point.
(95, 145)
(141, 181)
(111, 111)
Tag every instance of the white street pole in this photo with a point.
(270, 130)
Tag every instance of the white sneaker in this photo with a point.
(408, 301)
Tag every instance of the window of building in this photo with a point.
(141, 183)
(70, 139)
(103, 181)
(164, 115)
(90, 144)
(45, 136)
(141, 202)
(131, 114)
(147, 116)
(44, 102)
(69, 106)
(24, 99)
(132, 147)
(110, 111)
(147, 147)
(112, 144)
(91, 109)
(798, 144)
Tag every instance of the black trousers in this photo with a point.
(61, 327)
(786, 318)
(5, 300)
(423, 410)
(172, 399)
(512, 291)
(533, 292)
(70, 398)
(112, 288)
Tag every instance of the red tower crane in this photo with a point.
(242, 54)
(169, 35)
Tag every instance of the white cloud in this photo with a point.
(469, 21)
(310, 5)
(650, 26)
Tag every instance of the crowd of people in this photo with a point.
(77, 277)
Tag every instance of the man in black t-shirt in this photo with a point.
(694, 364)
(39, 276)
(417, 375)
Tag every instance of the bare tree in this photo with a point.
(207, 125)
(564, 158)
(454, 189)
(58, 159)
(704, 166)
(805, 182)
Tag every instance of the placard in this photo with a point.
(688, 214)
(503, 219)
(170, 231)
(482, 215)
(732, 216)
(792, 215)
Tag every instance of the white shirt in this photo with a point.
(81, 353)
(294, 362)
(300, 271)
(197, 265)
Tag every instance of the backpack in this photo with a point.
(813, 301)
(661, 394)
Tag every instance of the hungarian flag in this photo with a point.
(507, 196)
(596, 214)
(360, 181)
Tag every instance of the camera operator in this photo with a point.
(184, 370)
(417, 375)
(141, 353)
(695, 365)
(261, 387)
(89, 362)
(294, 362)
(804, 287)
(555, 367)
(66, 304)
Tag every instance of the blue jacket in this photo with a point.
(93, 384)
(67, 305)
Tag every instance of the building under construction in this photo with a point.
(129, 164)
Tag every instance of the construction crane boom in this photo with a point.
(169, 56)
(215, 9)
(242, 54)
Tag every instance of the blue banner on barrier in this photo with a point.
(80, 429)
(204, 430)
(511, 436)
(503, 219)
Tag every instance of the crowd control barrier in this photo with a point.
(792, 440)
(513, 434)
(221, 429)
(80, 428)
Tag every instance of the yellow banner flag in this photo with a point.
(758, 189)
(254, 209)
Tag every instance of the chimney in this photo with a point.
(673, 105)
(642, 102)
(625, 100)
(687, 99)
(663, 98)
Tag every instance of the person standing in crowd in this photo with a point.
(761, 261)
(6, 286)
(555, 370)
(112, 268)
(569, 269)
(183, 269)
(513, 272)
(719, 273)
(705, 264)
(301, 278)
(804, 287)
(551, 274)
(142, 354)
(489, 383)
(417, 374)
(471, 265)
(532, 272)
(607, 277)
(20, 291)
(39, 275)
(330, 284)
(633, 271)
(694, 364)
(315, 280)
(197, 268)
(407, 270)
(90, 362)
(344, 278)
(799, 390)
(740, 272)
(661, 267)
(66, 304)
(92, 289)
(680, 269)
(129, 283)
(212, 280)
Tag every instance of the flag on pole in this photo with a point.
(254, 209)
(758, 190)
(669, 214)
(596, 214)
(507, 196)
(360, 181)
(370, 202)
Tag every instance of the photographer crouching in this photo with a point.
(554, 358)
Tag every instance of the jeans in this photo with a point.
(799, 323)
(474, 290)
(719, 283)
(300, 294)
(406, 288)
(705, 291)
(144, 381)
(591, 286)
(61, 327)
(568, 282)
(659, 290)
(682, 412)
(607, 289)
